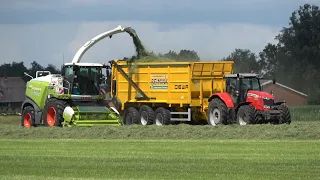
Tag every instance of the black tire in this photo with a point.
(162, 116)
(285, 116)
(53, 112)
(147, 115)
(131, 116)
(217, 113)
(246, 115)
(27, 117)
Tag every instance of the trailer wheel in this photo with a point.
(147, 115)
(217, 112)
(285, 116)
(246, 115)
(53, 112)
(131, 116)
(162, 116)
(27, 118)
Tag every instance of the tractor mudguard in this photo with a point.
(37, 110)
(225, 97)
(242, 104)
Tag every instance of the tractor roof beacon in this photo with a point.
(74, 97)
(243, 102)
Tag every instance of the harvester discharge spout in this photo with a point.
(137, 42)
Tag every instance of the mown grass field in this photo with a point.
(168, 152)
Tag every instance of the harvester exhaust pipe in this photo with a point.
(138, 44)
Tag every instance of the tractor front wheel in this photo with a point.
(246, 115)
(285, 116)
(53, 112)
(27, 118)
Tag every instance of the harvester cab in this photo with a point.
(244, 102)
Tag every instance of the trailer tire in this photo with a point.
(162, 116)
(131, 116)
(53, 112)
(27, 118)
(147, 115)
(285, 116)
(217, 112)
(246, 115)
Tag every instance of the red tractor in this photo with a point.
(245, 103)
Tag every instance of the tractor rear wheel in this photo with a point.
(285, 116)
(53, 112)
(162, 116)
(217, 112)
(147, 115)
(131, 116)
(246, 115)
(27, 117)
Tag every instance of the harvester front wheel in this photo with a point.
(285, 116)
(246, 115)
(162, 116)
(217, 112)
(147, 115)
(53, 112)
(131, 116)
(27, 118)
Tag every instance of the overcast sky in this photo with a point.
(44, 31)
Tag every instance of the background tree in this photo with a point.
(244, 61)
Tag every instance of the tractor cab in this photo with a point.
(246, 87)
(84, 78)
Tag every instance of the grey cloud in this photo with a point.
(165, 11)
(46, 43)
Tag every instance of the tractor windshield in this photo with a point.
(251, 83)
(86, 80)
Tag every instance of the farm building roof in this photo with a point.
(266, 82)
(12, 89)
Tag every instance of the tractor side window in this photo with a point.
(231, 85)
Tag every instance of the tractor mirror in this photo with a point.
(274, 81)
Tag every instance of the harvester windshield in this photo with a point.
(84, 80)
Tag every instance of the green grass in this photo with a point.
(168, 152)
(124, 159)
(305, 113)
(295, 131)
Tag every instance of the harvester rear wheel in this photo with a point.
(53, 112)
(246, 115)
(147, 115)
(285, 116)
(131, 116)
(217, 112)
(162, 116)
(27, 118)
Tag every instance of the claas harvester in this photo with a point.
(77, 96)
